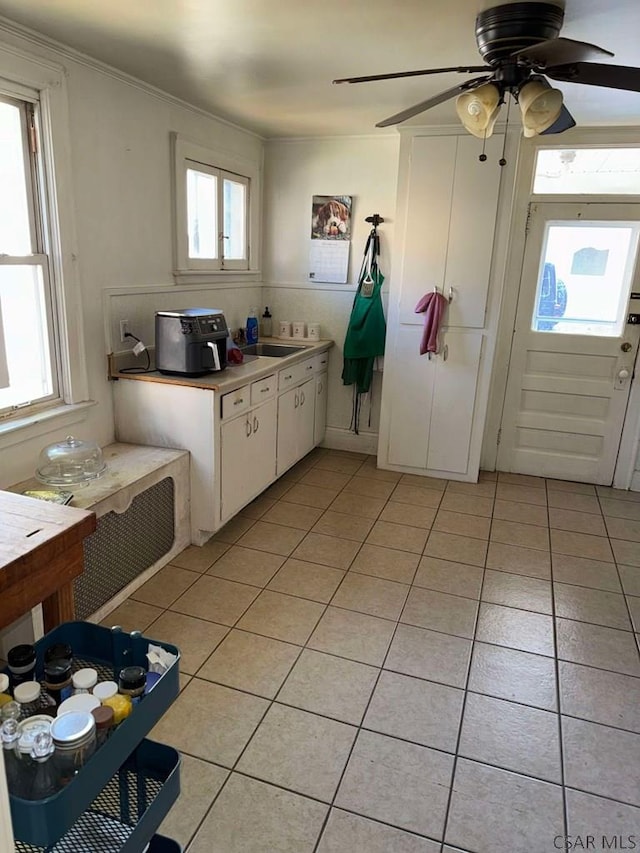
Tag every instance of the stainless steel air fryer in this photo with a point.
(191, 341)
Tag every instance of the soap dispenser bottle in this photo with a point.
(266, 328)
(252, 327)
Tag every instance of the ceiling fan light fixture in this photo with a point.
(478, 109)
(540, 106)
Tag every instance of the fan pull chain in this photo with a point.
(483, 156)
(502, 161)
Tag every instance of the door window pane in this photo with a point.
(235, 219)
(25, 330)
(587, 171)
(15, 232)
(585, 278)
(202, 214)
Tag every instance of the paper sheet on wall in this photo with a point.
(329, 260)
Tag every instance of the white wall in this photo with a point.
(295, 170)
(122, 188)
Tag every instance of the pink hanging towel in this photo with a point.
(432, 305)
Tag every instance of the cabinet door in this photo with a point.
(451, 212)
(248, 447)
(454, 396)
(235, 465)
(287, 454)
(320, 425)
(306, 417)
(409, 379)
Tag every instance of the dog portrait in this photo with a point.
(331, 217)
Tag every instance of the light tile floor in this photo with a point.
(393, 664)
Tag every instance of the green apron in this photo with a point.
(367, 328)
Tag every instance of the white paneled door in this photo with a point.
(573, 351)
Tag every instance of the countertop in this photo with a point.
(234, 375)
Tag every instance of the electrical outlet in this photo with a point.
(124, 328)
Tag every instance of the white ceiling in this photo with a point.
(268, 66)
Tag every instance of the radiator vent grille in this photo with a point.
(123, 545)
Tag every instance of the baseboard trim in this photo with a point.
(343, 439)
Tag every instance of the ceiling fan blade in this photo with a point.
(564, 121)
(466, 69)
(596, 74)
(559, 51)
(433, 102)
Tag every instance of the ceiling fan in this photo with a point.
(520, 44)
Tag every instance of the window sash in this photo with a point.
(45, 359)
(237, 173)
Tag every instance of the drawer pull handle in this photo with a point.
(264, 390)
(248, 428)
(309, 367)
(288, 376)
(297, 400)
(256, 424)
(237, 402)
(302, 398)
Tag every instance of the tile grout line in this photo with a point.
(556, 664)
(447, 813)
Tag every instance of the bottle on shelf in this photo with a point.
(266, 327)
(57, 679)
(22, 663)
(252, 327)
(5, 696)
(10, 711)
(16, 777)
(33, 700)
(46, 780)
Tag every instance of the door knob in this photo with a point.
(623, 374)
(626, 346)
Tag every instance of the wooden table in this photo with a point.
(40, 555)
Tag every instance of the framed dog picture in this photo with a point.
(331, 217)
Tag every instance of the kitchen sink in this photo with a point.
(271, 350)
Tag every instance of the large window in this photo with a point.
(28, 361)
(216, 208)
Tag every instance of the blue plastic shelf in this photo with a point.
(41, 823)
(125, 815)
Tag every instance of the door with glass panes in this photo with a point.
(573, 350)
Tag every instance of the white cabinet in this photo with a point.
(451, 204)
(239, 440)
(296, 424)
(447, 208)
(247, 457)
(320, 424)
(432, 416)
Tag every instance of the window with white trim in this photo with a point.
(43, 374)
(216, 204)
(28, 359)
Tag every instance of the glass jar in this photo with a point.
(33, 700)
(16, 777)
(29, 729)
(104, 718)
(46, 778)
(84, 680)
(58, 651)
(57, 679)
(5, 696)
(10, 711)
(78, 702)
(131, 682)
(22, 663)
(105, 690)
(74, 738)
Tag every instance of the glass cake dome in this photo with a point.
(71, 462)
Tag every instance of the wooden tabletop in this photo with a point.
(40, 555)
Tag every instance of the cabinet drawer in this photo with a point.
(263, 390)
(236, 402)
(290, 376)
(321, 362)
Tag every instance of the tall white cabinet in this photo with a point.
(446, 212)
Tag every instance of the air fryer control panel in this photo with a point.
(203, 325)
